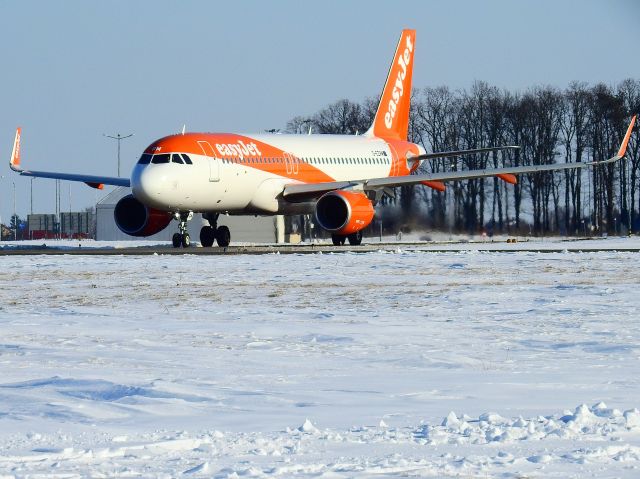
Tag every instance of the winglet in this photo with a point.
(15, 154)
(625, 141)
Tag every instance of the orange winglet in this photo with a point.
(625, 142)
(97, 186)
(15, 154)
(509, 178)
(436, 185)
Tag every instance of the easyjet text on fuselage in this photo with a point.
(239, 149)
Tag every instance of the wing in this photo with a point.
(299, 191)
(91, 180)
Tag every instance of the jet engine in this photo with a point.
(136, 219)
(344, 212)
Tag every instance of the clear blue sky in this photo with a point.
(73, 70)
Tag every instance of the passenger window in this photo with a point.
(157, 159)
(144, 159)
(186, 159)
(176, 158)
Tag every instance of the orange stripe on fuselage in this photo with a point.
(242, 150)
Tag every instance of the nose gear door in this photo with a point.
(214, 163)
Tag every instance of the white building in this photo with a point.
(244, 229)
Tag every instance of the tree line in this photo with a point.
(580, 123)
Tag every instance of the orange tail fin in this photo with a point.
(392, 117)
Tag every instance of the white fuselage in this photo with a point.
(225, 179)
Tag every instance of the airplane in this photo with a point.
(338, 178)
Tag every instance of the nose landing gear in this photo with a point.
(182, 238)
(213, 232)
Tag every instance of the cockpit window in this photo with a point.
(176, 158)
(187, 160)
(145, 159)
(164, 158)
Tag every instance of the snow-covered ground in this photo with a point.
(468, 364)
(421, 241)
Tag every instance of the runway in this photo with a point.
(121, 249)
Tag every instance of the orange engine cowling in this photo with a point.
(344, 212)
(136, 219)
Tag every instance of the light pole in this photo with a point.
(1, 228)
(118, 137)
(32, 178)
(15, 218)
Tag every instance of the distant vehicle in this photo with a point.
(339, 178)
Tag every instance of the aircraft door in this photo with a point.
(214, 163)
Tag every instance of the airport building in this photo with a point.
(42, 226)
(71, 225)
(244, 229)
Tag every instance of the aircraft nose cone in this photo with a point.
(147, 184)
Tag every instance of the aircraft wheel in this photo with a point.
(177, 240)
(207, 236)
(223, 236)
(338, 240)
(186, 240)
(355, 239)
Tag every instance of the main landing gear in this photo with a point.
(212, 232)
(182, 238)
(355, 239)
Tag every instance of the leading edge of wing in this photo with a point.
(313, 190)
(471, 174)
(391, 182)
(91, 180)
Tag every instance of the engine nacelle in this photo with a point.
(344, 212)
(136, 219)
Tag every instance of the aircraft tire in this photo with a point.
(355, 239)
(338, 240)
(223, 236)
(207, 236)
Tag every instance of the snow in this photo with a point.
(404, 363)
(400, 243)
